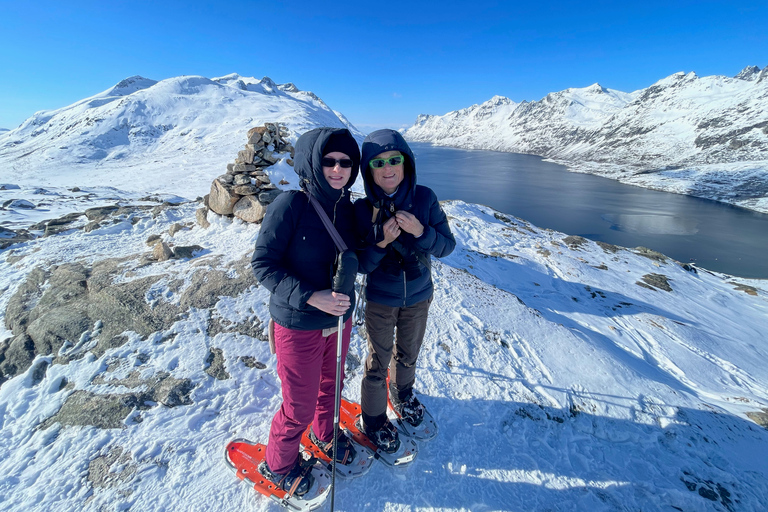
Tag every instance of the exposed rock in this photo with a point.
(17, 356)
(208, 285)
(9, 237)
(102, 411)
(246, 190)
(201, 216)
(153, 239)
(162, 252)
(83, 408)
(61, 224)
(111, 470)
(244, 168)
(268, 196)
(650, 254)
(241, 179)
(100, 213)
(656, 281)
(221, 199)
(250, 209)
(252, 362)
(608, 248)
(19, 203)
(759, 417)
(215, 363)
(72, 309)
(245, 156)
(186, 251)
(575, 242)
(91, 226)
(749, 290)
(175, 228)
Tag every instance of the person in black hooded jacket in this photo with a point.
(295, 259)
(402, 225)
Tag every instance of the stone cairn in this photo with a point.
(245, 190)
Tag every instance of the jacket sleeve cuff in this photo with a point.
(427, 239)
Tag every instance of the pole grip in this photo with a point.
(346, 272)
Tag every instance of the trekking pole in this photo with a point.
(343, 282)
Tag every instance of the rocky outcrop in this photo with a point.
(74, 308)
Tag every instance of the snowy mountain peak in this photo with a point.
(680, 121)
(748, 73)
(130, 85)
(171, 120)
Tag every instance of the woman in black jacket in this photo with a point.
(294, 259)
(403, 226)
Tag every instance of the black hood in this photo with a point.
(310, 149)
(388, 140)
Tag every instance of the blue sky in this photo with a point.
(379, 63)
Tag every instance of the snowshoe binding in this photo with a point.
(352, 460)
(411, 417)
(305, 487)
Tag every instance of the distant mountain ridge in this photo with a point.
(140, 121)
(681, 122)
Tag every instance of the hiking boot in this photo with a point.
(297, 482)
(385, 438)
(410, 409)
(345, 451)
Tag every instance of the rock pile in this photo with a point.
(245, 190)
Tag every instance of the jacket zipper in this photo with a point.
(405, 288)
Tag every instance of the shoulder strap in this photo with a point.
(340, 245)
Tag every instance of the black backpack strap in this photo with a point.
(340, 245)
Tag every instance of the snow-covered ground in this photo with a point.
(559, 383)
(565, 375)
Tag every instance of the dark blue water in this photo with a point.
(711, 234)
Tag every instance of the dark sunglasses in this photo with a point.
(378, 163)
(346, 163)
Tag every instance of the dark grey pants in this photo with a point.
(395, 335)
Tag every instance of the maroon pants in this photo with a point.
(306, 365)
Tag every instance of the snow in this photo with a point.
(558, 381)
(558, 384)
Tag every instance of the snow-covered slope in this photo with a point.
(682, 134)
(565, 376)
(187, 122)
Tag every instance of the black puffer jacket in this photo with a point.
(295, 256)
(399, 275)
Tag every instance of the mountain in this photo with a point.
(188, 121)
(565, 374)
(685, 133)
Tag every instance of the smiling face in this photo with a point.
(388, 177)
(337, 176)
